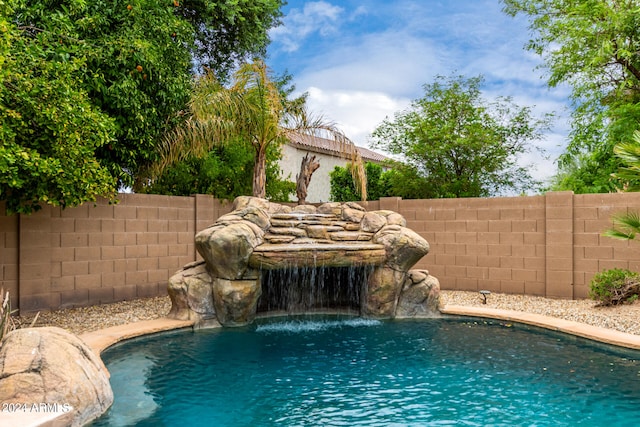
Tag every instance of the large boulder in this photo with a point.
(191, 293)
(420, 296)
(227, 249)
(404, 246)
(382, 292)
(236, 300)
(53, 367)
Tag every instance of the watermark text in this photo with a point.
(35, 407)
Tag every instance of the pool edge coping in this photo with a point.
(595, 333)
(102, 339)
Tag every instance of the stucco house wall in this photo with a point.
(327, 154)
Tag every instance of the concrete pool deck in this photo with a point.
(102, 339)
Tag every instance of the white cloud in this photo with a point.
(543, 167)
(315, 17)
(357, 113)
(391, 62)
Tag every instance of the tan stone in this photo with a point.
(277, 239)
(351, 226)
(229, 218)
(354, 205)
(242, 202)
(396, 219)
(312, 255)
(333, 235)
(351, 236)
(236, 300)
(334, 208)
(51, 366)
(291, 231)
(275, 208)
(420, 296)
(256, 216)
(227, 250)
(352, 215)
(321, 231)
(284, 222)
(310, 209)
(253, 214)
(383, 289)
(372, 222)
(191, 293)
(417, 276)
(404, 246)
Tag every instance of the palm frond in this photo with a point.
(252, 109)
(625, 226)
(629, 151)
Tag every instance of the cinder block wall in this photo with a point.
(101, 253)
(593, 252)
(549, 245)
(9, 255)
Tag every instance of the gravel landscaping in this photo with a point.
(625, 318)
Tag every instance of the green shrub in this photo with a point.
(615, 286)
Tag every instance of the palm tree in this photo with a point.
(628, 224)
(252, 109)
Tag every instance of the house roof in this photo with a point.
(331, 147)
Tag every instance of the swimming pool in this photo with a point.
(336, 371)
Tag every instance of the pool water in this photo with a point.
(333, 371)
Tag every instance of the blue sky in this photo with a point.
(363, 60)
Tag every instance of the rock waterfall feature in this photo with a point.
(268, 256)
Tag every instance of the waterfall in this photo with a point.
(295, 289)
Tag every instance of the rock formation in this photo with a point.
(259, 235)
(53, 370)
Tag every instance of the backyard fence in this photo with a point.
(549, 245)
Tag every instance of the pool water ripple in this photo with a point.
(355, 372)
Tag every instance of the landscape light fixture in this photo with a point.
(484, 295)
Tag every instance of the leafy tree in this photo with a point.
(225, 172)
(455, 144)
(115, 76)
(586, 172)
(343, 188)
(229, 32)
(252, 110)
(404, 181)
(594, 46)
(50, 130)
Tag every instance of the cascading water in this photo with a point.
(297, 289)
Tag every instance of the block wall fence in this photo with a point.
(549, 245)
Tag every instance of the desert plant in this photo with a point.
(615, 286)
(6, 322)
(626, 226)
